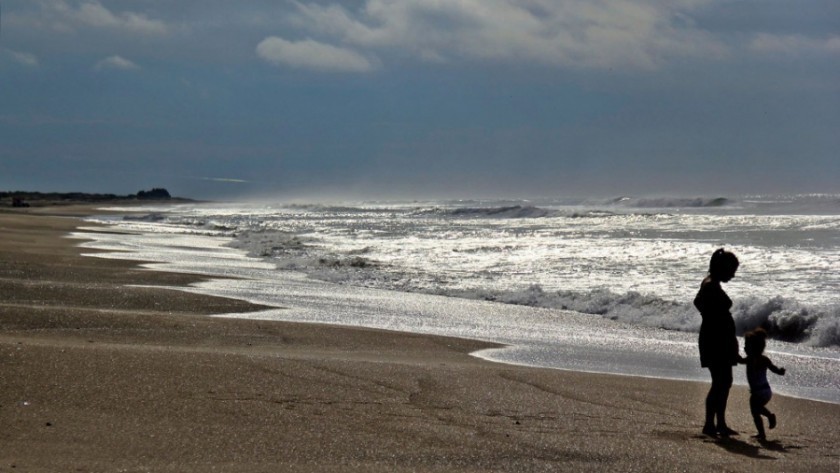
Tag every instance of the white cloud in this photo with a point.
(569, 33)
(94, 15)
(793, 45)
(309, 54)
(117, 63)
(24, 58)
(222, 179)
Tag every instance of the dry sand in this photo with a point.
(100, 376)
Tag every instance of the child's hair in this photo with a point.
(722, 263)
(755, 342)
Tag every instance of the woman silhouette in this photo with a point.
(718, 345)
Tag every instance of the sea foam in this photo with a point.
(590, 256)
(784, 319)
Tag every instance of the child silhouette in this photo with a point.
(757, 366)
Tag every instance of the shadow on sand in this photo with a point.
(735, 445)
(740, 447)
(777, 446)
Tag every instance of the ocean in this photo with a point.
(597, 285)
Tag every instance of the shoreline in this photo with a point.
(682, 362)
(94, 358)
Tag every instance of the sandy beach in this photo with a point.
(100, 375)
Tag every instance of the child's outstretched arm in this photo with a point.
(774, 368)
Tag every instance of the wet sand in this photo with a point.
(97, 375)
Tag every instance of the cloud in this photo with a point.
(567, 33)
(230, 180)
(794, 45)
(93, 14)
(24, 58)
(116, 63)
(309, 54)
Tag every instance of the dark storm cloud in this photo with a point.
(413, 95)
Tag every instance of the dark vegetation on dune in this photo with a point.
(29, 198)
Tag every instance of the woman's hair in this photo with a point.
(723, 263)
(755, 342)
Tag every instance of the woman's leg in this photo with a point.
(719, 395)
(711, 408)
(709, 426)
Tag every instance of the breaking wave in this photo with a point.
(271, 243)
(151, 217)
(502, 212)
(789, 320)
(784, 319)
(210, 226)
(512, 212)
(672, 202)
(336, 209)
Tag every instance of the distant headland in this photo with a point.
(40, 199)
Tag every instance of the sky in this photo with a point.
(420, 98)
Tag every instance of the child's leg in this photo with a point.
(771, 418)
(756, 408)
